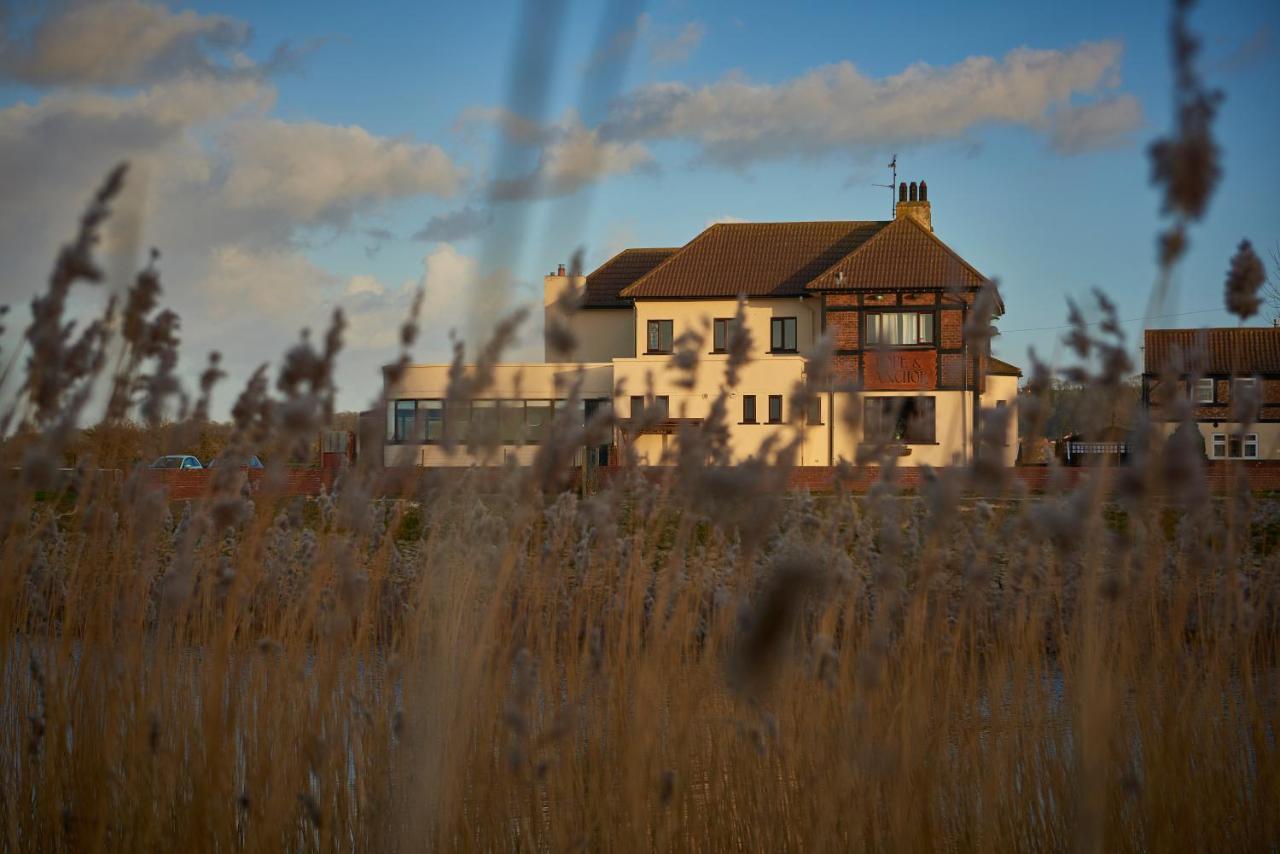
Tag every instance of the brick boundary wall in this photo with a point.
(1262, 476)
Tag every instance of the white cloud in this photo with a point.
(727, 218)
(122, 42)
(678, 48)
(1105, 124)
(838, 108)
(574, 157)
(322, 173)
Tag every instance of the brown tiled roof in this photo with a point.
(1001, 368)
(619, 271)
(1221, 350)
(753, 258)
(904, 254)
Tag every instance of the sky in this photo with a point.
(291, 158)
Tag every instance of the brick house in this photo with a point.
(894, 297)
(1226, 375)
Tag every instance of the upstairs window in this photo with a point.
(657, 407)
(900, 328)
(404, 414)
(775, 409)
(660, 336)
(748, 409)
(1202, 391)
(910, 420)
(720, 334)
(782, 335)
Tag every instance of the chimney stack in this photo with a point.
(913, 202)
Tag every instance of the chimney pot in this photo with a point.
(560, 270)
(913, 191)
(902, 191)
(924, 192)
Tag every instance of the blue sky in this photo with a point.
(288, 154)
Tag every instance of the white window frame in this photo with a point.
(1198, 390)
(1221, 446)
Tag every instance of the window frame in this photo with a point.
(813, 416)
(1198, 385)
(749, 399)
(1221, 446)
(781, 323)
(659, 324)
(662, 400)
(875, 324)
(774, 400)
(720, 329)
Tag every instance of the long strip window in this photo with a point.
(910, 420)
(1234, 446)
(900, 328)
(509, 422)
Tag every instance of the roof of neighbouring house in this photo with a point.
(1001, 368)
(780, 259)
(618, 272)
(757, 259)
(1221, 350)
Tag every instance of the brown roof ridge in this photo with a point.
(708, 239)
(887, 230)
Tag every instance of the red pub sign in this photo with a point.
(903, 369)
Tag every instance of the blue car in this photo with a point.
(177, 461)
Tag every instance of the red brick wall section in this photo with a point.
(844, 329)
(952, 330)
(845, 368)
(842, 299)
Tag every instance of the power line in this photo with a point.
(1099, 322)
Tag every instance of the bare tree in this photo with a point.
(1271, 288)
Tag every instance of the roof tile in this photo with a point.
(904, 254)
(755, 259)
(620, 271)
(1220, 350)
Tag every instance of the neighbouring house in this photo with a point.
(1229, 378)
(892, 295)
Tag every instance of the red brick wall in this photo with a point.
(844, 328)
(952, 335)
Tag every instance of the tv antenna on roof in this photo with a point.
(892, 185)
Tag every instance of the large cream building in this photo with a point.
(893, 297)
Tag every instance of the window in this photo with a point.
(899, 419)
(902, 328)
(660, 336)
(782, 335)
(1234, 446)
(1243, 386)
(748, 409)
(457, 420)
(813, 413)
(537, 420)
(775, 409)
(484, 422)
(720, 334)
(403, 414)
(1203, 391)
(432, 412)
(661, 406)
(511, 421)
